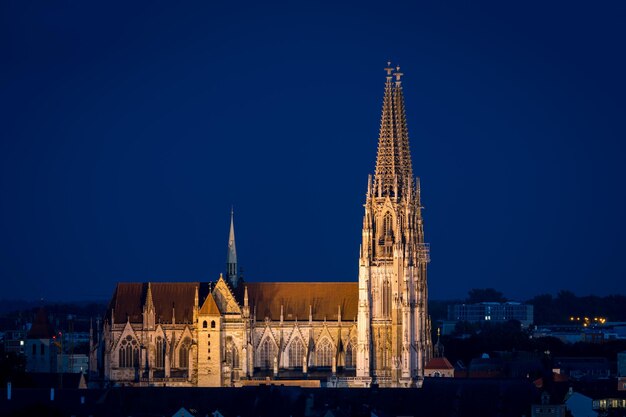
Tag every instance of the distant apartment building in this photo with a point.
(587, 368)
(492, 312)
(574, 333)
(14, 341)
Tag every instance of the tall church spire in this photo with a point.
(392, 320)
(232, 272)
(393, 163)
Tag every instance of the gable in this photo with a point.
(224, 298)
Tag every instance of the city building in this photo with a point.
(547, 408)
(583, 368)
(14, 341)
(375, 331)
(438, 366)
(72, 363)
(40, 350)
(492, 312)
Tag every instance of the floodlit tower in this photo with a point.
(393, 323)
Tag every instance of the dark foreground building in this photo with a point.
(439, 397)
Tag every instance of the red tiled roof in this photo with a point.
(129, 298)
(296, 297)
(325, 298)
(41, 328)
(439, 363)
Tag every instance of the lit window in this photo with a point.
(266, 354)
(128, 354)
(160, 352)
(324, 353)
(296, 352)
(350, 351)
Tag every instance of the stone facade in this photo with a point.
(374, 331)
(225, 339)
(394, 327)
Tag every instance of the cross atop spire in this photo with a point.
(394, 170)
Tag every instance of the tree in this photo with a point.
(481, 295)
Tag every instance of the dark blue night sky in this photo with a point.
(128, 130)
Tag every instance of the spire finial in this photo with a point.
(398, 75)
(389, 70)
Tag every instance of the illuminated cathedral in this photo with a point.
(375, 331)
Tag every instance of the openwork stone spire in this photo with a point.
(231, 262)
(394, 170)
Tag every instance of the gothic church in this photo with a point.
(232, 332)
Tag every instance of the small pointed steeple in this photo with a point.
(438, 345)
(232, 272)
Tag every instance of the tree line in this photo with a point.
(548, 309)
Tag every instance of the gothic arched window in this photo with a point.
(296, 353)
(388, 225)
(160, 353)
(267, 353)
(204, 324)
(235, 357)
(183, 354)
(231, 353)
(350, 357)
(386, 298)
(324, 352)
(212, 324)
(128, 354)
